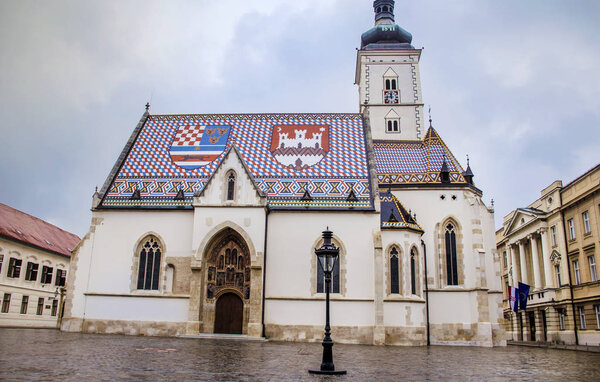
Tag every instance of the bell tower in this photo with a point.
(387, 75)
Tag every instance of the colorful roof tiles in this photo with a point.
(286, 155)
(394, 215)
(415, 162)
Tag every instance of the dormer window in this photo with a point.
(231, 186)
(392, 122)
(391, 94)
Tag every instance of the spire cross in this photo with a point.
(147, 106)
(429, 115)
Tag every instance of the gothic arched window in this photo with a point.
(149, 265)
(394, 271)
(451, 257)
(231, 186)
(413, 272)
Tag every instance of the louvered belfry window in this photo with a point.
(149, 269)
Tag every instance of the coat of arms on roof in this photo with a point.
(299, 146)
(197, 145)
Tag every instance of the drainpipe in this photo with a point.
(426, 291)
(562, 219)
(262, 320)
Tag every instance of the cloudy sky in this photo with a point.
(514, 84)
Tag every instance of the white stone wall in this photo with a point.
(372, 66)
(291, 267)
(103, 264)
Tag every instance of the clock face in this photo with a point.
(390, 96)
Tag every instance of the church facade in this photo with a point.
(208, 223)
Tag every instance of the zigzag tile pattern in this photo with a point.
(149, 168)
(415, 162)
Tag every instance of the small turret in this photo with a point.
(445, 172)
(468, 174)
(385, 34)
(384, 11)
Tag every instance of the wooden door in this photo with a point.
(532, 326)
(229, 314)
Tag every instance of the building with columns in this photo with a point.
(208, 223)
(550, 245)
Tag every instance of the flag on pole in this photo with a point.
(512, 298)
(523, 292)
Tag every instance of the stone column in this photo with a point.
(523, 262)
(546, 256)
(537, 282)
(194, 323)
(513, 260)
(379, 330)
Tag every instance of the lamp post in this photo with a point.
(327, 255)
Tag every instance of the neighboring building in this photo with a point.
(208, 223)
(564, 302)
(34, 260)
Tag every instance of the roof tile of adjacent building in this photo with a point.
(19, 226)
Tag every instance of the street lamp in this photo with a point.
(327, 255)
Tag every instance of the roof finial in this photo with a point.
(147, 106)
(467, 160)
(429, 115)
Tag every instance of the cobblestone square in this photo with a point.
(51, 355)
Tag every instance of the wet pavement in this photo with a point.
(50, 355)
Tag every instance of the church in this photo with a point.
(208, 223)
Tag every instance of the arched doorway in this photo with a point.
(229, 314)
(227, 281)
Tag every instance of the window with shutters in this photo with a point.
(32, 271)
(46, 274)
(61, 277)
(14, 268)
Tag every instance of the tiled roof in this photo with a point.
(286, 154)
(394, 215)
(27, 229)
(415, 162)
